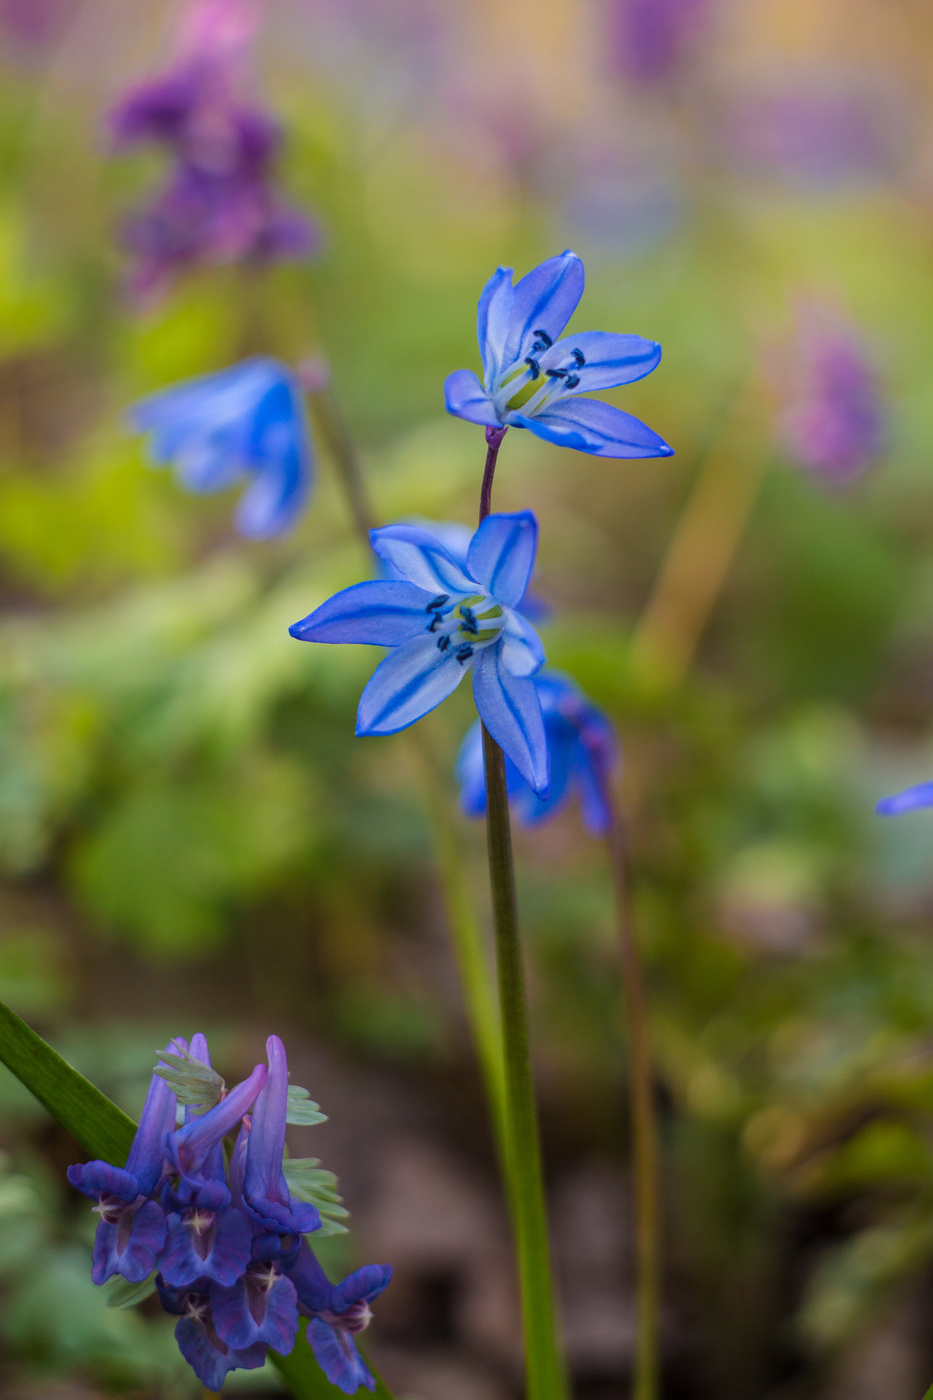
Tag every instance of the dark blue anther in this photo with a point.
(571, 381)
(435, 623)
(543, 341)
(437, 602)
(464, 653)
(556, 373)
(469, 623)
(533, 365)
(578, 358)
(443, 642)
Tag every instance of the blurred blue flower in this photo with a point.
(220, 203)
(246, 421)
(532, 377)
(910, 800)
(583, 752)
(226, 1242)
(441, 618)
(833, 417)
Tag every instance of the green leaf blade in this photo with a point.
(102, 1129)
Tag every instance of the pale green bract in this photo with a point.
(119, 1293)
(309, 1181)
(197, 1085)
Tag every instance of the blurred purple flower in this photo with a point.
(29, 27)
(811, 136)
(912, 799)
(832, 418)
(219, 203)
(650, 38)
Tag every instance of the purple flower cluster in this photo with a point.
(833, 416)
(649, 38)
(219, 202)
(226, 1242)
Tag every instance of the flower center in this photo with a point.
(465, 624)
(356, 1318)
(537, 378)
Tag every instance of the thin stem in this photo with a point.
(703, 544)
(643, 1126)
(330, 425)
(545, 1380)
(494, 438)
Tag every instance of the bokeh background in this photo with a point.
(190, 836)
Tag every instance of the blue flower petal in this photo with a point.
(545, 299)
(595, 427)
(362, 1286)
(493, 316)
(339, 1357)
(465, 397)
(205, 1357)
(471, 772)
(502, 555)
(522, 649)
(249, 1313)
(417, 555)
(510, 709)
(606, 359)
(383, 613)
(129, 1247)
(410, 682)
(220, 1252)
(909, 800)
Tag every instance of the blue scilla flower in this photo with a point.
(912, 798)
(456, 537)
(583, 750)
(443, 618)
(246, 422)
(532, 377)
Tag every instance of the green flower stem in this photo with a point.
(643, 1128)
(546, 1379)
(333, 431)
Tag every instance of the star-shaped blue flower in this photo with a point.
(583, 751)
(443, 618)
(532, 377)
(245, 422)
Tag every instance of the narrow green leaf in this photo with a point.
(305, 1379)
(929, 1394)
(102, 1129)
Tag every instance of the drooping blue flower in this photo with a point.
(208, 1355)
(532, 377)
(245, 422)
(266, 1197)
(442, 619)
(583, 750)
(132, 1227)
(911, 799)
(336, 1313)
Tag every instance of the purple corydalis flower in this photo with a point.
(650, 38)
(912, 799)
(832, 419)
(337, 1312)
(219, 203)
(132, 1227)
(442, 619)
(583, 751)
(246, 422)
(224, 1250)
(811, 137)
(532, 378)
